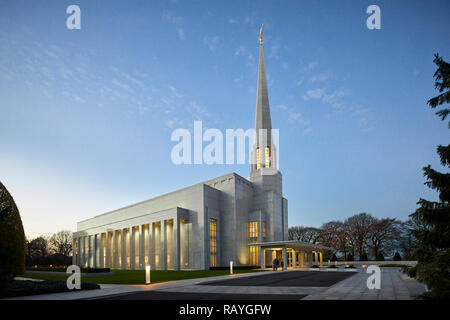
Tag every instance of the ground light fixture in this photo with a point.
(147, 274)
(231, 267)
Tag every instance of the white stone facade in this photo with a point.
(171, 232)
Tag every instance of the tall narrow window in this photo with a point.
(267, 157)
(253, 238)
(264, 229)
(213, 242)
(258, 159)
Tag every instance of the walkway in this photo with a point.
(328, 284)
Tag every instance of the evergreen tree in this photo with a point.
(432, 246)
(397, 257)
(12, 238)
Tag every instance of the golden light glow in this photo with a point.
(258, 161)
(213, 242)
(267, 157)
(253, 238)
(264, 229)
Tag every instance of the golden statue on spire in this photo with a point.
(261, 34)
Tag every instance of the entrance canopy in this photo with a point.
(307, 253)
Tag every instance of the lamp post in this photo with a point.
(147, 274)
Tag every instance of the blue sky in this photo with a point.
(86, 115)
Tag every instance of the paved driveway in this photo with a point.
(287, 279)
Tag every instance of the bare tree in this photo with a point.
(61, 242)
(382, 235)
(359, 227)
(303, 234)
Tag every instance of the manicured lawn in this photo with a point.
(138, 276)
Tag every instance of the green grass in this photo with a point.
(138, 276)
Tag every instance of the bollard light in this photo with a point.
(231, 267)
(147, 274)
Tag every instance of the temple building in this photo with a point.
(228, 218)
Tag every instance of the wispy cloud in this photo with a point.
(315, 93)
(211, 42)
(180, 32)
(295, 117)
(171, 17)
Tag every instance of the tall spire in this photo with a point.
(262, 120)
(263, 123)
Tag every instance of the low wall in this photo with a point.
(378, 263)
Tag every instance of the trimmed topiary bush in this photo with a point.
(364, 257)
(12, 238)
(380, 257)
(397, 257)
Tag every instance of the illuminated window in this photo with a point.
(253, 230)
(267, 157)
(258, 161)
(264, 229)
(213, 242)
(253, 238)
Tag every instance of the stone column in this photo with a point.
(151, 254)
(107, 237)
(294, 259)
(263, 259)
(78, 252)
(284, 259)
(141, 247)
(90, 247)
(114, 252)
(94, 251)
(100, 251)
(301, 256)
(176, 243)
(163, 244)
(132, 253)
(122, 249)
(316, 262)
(320, 259)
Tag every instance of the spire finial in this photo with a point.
(261, 35)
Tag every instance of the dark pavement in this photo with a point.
(287, 279)
(162, 295)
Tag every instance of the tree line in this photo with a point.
(361, 236)
(55, 250)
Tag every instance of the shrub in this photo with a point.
(27, 288)
(12, 238)
(333, 257)
(332, 266)
(363, 257)
(350, 257)
(397, 257)
(380, 256)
